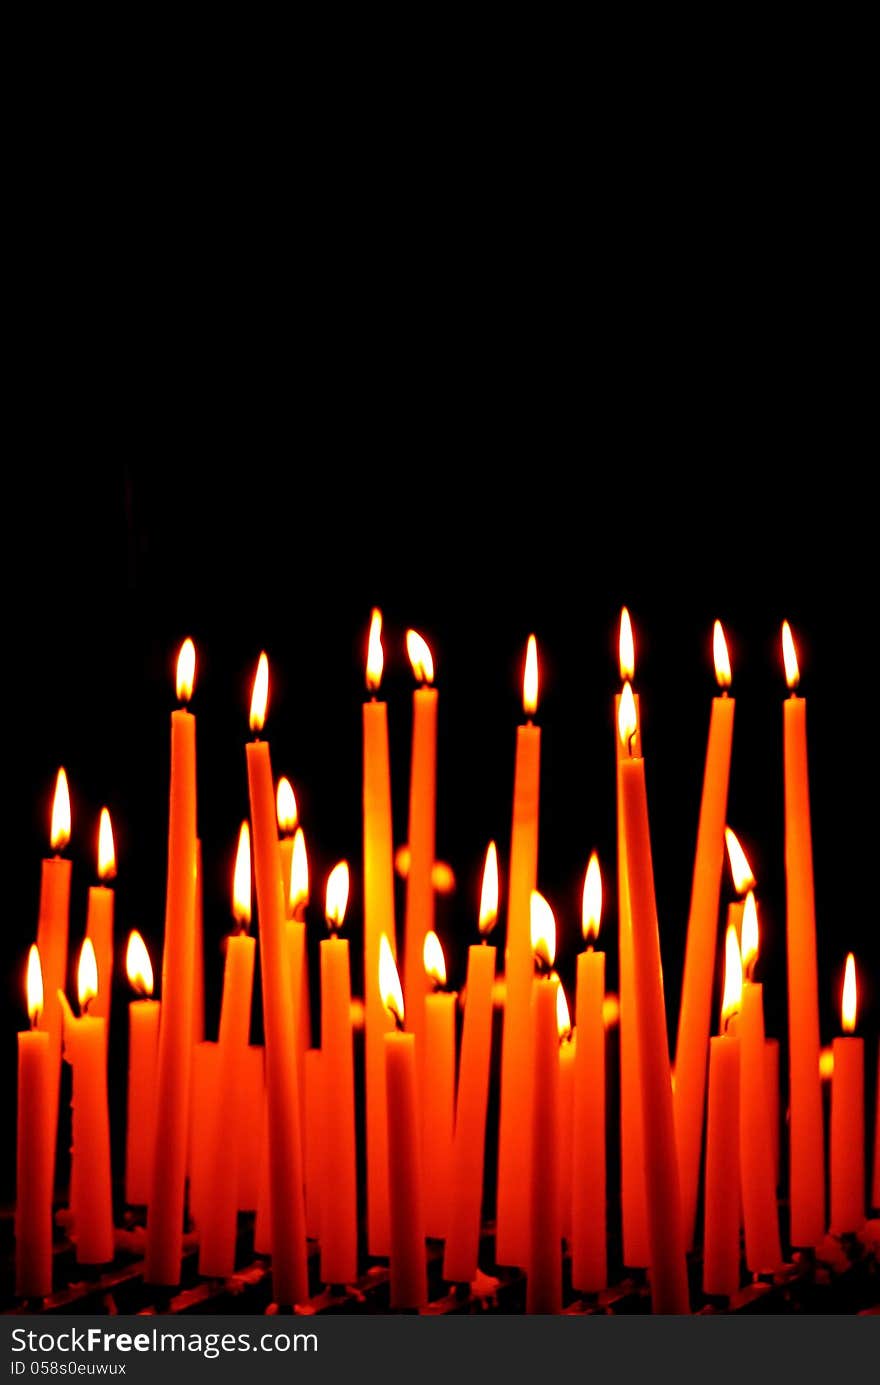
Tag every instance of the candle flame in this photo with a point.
(530, 678)
(336, 900)
(627, 721)
(789, 657)
(591, 907)
(106, 848)
(241, 878)
(59, 834)
(543, 929)
(848, 999)
(260, 694)
(743, 879)
(186, 670)
(299, 874)
(87, 975)
(375, 654)
(563, 1015)
(138, 965)
(489, 891)
(626, 648)
(749, 932)
(721, 655)
(433, 959)
(285, 807)
(34, 985)
(826, 1064)
(733, 978)
(420, 657)
(389, 981)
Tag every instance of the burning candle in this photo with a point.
(699, 960)
(668, 1269)
(589, 1257)
(848, 1116)
(544, 1264)
(378, 920)
(438, 1089)
(760, 1212)
(419, 919)
(52, 930)
(143, 1049)
(85, 1047)
(339, 1202)
(289, 1269)
(99, 918)
(33, 1187)
(469, 1134)
(288, 821)
(632, 1164)
(297, 939)
(806, 1149)
(722, 1199)
(219, 1220)
(512, 1231)
(407, 1266)
(567, 1056)
(315, 1161)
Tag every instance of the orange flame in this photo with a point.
(627, 721)
(375, 654)
(299, 874)
(87, 975)
(543, 929)
(733, 978)
(59, 834)
(34, 986)
(489, 891)
(336, 900)
(420, 657)
(749, 933)
(591, 907)
(433, 959)
(241, 878)
(260, 695)
(563, 1015)
(106, 848)
(626, 648)
(389, 981)
(186, 670)
(721, 655)
(743, 879)
(530, 678)
(848, 1000)
(789, 657)
(285, 807)
(138, 965)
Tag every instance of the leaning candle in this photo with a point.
(143, 1048)
(407, 1265)
(33, 1188)
(99, 918)
(668, 1268)
(339, 1184)
(437, 1089)
(848, 1117)
(469, 1134)
(164, 1249)
(297, 952)
(290, 1280)
(722, 1197)
(807, 1181)
(512, 1231)
(544, 1263)
(85, 1041)
(288, 820)
(52, 929)
(419, 920)
(219, 1219)
(589, 1254)
(378, 919)
(760, 1212)
(699, 959)
(568, 1043)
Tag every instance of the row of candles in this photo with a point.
(194, 1107)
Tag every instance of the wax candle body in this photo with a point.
(632, 1140)
(52, 929)
(567, 1059)
(252, 1129)
(848, 1136)
(33, 1188)
(339, 1206)
(722, 1199)
(544, 1264)
(806, 1150)
(419, 886)
(164, 1247)
(589, 1257)
(438, 1108)
(469, 1135)
(206, 1082)
(289, 1270)
(99, 927)
(512, 1233)
(295, 932)
(220, 1213)
(85, 1043)
(699, 961)
(771, 1053)
(285, 852)
(378, 919)
(140, 1139)
(198, 1015)
(760, 1213)
(407, 1267)
(668, 1270)
(316, 1162)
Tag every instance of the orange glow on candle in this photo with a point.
(336, 901)
(542, 929)
(848, 1000)
(826, 1064)
(59, 834)
(591, 908)
(299, 874)
(626, 648)
(420, 657)
(627, 720)
(106, 848)
(789, 657)
(749, 933)
(731, 1002)
(260, 695)
(563, 1015)
(530, 678)
(489, 892)
(611, 1010)
(389, 981)
(285, 808)
(34, 986)
(743, 879)
(241, 878)
(433, 959)
(186, 670)
(375, 653)
(138, 966)
(721, 655)
(87, 975)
